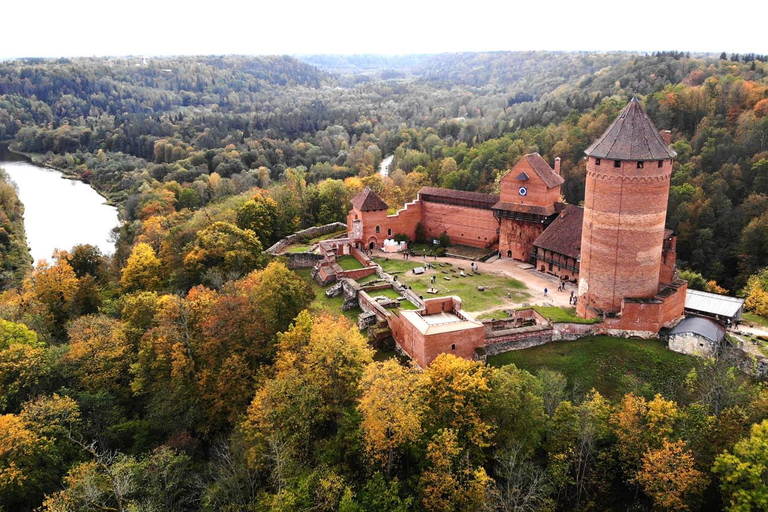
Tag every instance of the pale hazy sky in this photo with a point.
(55, 28)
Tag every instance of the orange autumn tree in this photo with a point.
(669, 477)
(641, 425)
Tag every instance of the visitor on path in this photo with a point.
(545, 292)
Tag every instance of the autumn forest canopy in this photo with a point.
(190, 371)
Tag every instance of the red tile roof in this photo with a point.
(632, 136)
(368, 200)
(563, 236)
(543, 170)
(447, 193)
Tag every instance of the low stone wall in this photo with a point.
(571, 331)
(312, 232)
(500, 341)
(296, 260)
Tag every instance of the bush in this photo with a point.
(400, 237)
(420, 236)
(441, 251)
(444, 239)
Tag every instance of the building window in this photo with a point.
(661, 163)
(389, 232)
(639, 165)
(453, 347)
(597, 161)
(617, 163)
(378, 229)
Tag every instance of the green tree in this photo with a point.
(743, 472)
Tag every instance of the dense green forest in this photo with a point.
(183, 373)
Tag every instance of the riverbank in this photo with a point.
(8, 154)
(59, 211)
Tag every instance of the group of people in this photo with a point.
(561, 288)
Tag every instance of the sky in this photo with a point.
(58, 28)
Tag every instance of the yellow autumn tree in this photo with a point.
(456, 392)
(391, 409)
(641, 425)
(142, 270)
(320, 363)
(99, 354)
(669, 477)
(450, 483)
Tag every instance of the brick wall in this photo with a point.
(518, 237)
(404, 221)
(475, 227)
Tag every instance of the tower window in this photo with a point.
(378, 229)
(661, 163)
(597, 161)
(639, 165)
(453, 346)
(389, 232)
(617, 163)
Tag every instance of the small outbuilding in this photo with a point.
(720, 307)
(697, 336)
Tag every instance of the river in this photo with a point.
(60, 213)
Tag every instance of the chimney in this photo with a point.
(557, 165)
(667, 136)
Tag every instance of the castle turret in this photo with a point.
(625, 209)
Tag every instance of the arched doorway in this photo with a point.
(372, 243)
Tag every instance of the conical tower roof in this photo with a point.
(632, 136)
(368, 200)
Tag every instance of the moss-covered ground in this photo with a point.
(612, 366)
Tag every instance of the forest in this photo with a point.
(188, 371)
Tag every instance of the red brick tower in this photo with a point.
(625, 209)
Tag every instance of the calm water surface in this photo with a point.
(60, 213)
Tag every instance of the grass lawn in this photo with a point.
(368, 279)
(755, 319)
(298, 248)
(495, 294)
(499, 314)
(468, 251)
(556, 314)
(327, 236)
(613, 366)
(349, 263)
(391, 293)
(323, 304)
(397, 264)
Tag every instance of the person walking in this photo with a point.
(545, 292)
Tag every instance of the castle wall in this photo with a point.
(464, 225)
(404, 221)
(516, 238)
(624, 219)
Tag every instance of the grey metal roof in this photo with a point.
(701, 326)
(713, 303)
(632, 136)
